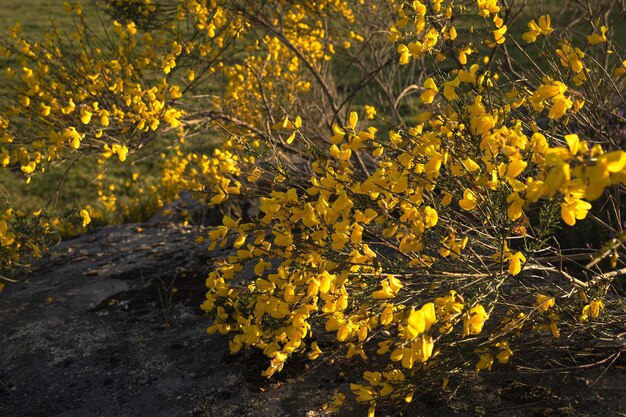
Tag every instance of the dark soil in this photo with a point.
(109, 325)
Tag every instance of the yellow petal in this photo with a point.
(614, 161)
(354, 119)
(428, 310)
(573, 143)
(469, 200)
(416, 323)
(86, 218)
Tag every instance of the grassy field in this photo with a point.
(36, 16)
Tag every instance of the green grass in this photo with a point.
(36, 16)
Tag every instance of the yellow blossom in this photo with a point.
(544, 302)
(370, 111)
(543, 28)
(592, 310)
(474, 320)
(596, 38)
(315, 351)
(516, 261)
(430, 91)
(85, 216)
(469, 201)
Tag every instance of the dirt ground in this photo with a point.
(109, 325)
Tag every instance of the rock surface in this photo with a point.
(109, 325)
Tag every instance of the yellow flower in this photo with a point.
(571, 57)
(370, 111)
(485, 361)
(614, 161)
(423, 348)
(544, 302)
(309, 218)
(29, 168)
(338, 136)
(286, 123)
(85, 216)
(390, 289)
(516, 166)
(548, 91)
(516, 262)
(573, 143)
(338, 400)
(543, 28)
(498, 35)
(24, 101)
(44, 109)
(131, 28)
(73, 136)
(560, 105)
(596, 38)
(364, 393)
(469, 200)
(516, 205)
(121, 152)
(449, 91)
(450, 304)
(554, 329)
(430, 217)
(405, 55)
(374, 378)
(104, 118)
(353, 120)
(430, 91)
(416, 324)
(315, 351)
(342, 155)
(505, 352)
(573, 209)
(620, 70)
(420, 321)
(452, 34)
(488, 7)
(595, 307)
(592, 310)
(474, 320)
(553, 91)
(85, 116)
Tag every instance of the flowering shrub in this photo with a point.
(417, 171)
